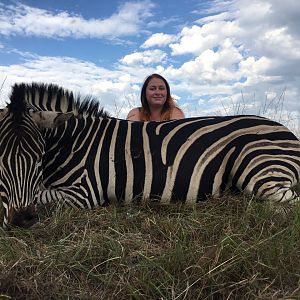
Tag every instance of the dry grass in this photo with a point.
(232, 248)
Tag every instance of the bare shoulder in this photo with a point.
(177, 113)
(134, 114)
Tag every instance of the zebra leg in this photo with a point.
(74, 196)
(279, 192)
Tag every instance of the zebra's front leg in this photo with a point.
(75, 196)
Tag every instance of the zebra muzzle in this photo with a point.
(24, 217)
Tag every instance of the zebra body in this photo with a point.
(90, 159)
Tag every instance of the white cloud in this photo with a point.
(80, 76)
(250, 47)
(212, 18)
(213, 7)
(117, 90)
(197, 39)
(255, 70)
(256, 25)
(31, 21)
(145, 57)
(160, 23)
(211, 67)
(158, 39)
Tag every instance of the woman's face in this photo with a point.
(156, 92)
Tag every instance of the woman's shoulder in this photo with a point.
(134, 114)
(135, 110)
(177, 113)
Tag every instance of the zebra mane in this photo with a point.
(51, 97)
(17, 107)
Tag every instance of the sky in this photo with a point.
(220, 57)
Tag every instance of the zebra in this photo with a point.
(21, 152)
(92, 159)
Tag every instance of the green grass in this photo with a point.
(232, 248)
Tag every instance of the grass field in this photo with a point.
(229, 248)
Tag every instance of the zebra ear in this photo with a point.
(50, 119)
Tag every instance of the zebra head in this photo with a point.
(21, 152)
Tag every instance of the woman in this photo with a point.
(157, 103)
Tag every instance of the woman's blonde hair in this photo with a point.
(145, 114)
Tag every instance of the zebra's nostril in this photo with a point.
(25, 217)
(24, 221)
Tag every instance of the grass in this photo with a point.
(229, 248)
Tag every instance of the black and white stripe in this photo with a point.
(97, 160)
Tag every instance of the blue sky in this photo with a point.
(220, 57)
